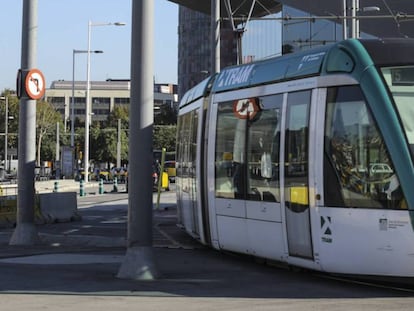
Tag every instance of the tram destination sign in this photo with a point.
(402, 76)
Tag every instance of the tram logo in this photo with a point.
(235, 76)
(311, 58)
(326, 231)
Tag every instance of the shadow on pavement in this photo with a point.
(187, 268)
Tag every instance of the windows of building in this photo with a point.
(101, 112)
(79, 100)
(57, 100)
(105, 98)
(121, 101)
(101, 100)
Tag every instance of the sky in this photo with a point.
(63, 27)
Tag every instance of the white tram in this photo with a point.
(305, 159)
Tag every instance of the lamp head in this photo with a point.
(370, 9)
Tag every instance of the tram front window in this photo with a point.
(400, 81)
(358, 170)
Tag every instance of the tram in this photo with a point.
(305, 159)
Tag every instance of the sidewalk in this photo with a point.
(63, 185)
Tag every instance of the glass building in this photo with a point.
(296, 26)
(194, 48)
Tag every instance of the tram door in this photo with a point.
(296, 174)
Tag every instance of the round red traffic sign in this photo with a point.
(35, 84)
(246, 108)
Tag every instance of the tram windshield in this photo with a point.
(358, 171)
(400, 81)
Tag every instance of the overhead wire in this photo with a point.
(396, 19)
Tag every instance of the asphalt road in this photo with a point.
(76, 266)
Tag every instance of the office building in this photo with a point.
(194, 48)
(105, 95)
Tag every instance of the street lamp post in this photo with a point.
(72, 118)
(88, 104)
(118, 145)
(6, 128)
(6, 132)
(355, 16)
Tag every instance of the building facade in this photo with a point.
(105, 96)
(194, 48)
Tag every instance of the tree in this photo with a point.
(104, 137)
(46, 119)
(79, 143)
(103, 144)
(166, 116)
(164, 137)
(13, 121)
(119, 112)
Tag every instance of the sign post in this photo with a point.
(25, 232)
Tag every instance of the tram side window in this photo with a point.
(263, 151)
(247, 149)
(230, 148)
(186, 150)
(358, 171)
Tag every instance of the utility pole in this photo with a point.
(118, 145)
(139, 261)
(344, 20)
(6, 132)
(57, 156)
(215, 36)
(25, 232)
(355, 20)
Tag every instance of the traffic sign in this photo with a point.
(34, 84)
(246, 108)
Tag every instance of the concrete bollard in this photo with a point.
(81, 188)
(115, 189)
(56, 186)
(101, 189)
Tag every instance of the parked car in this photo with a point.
(380, 168)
